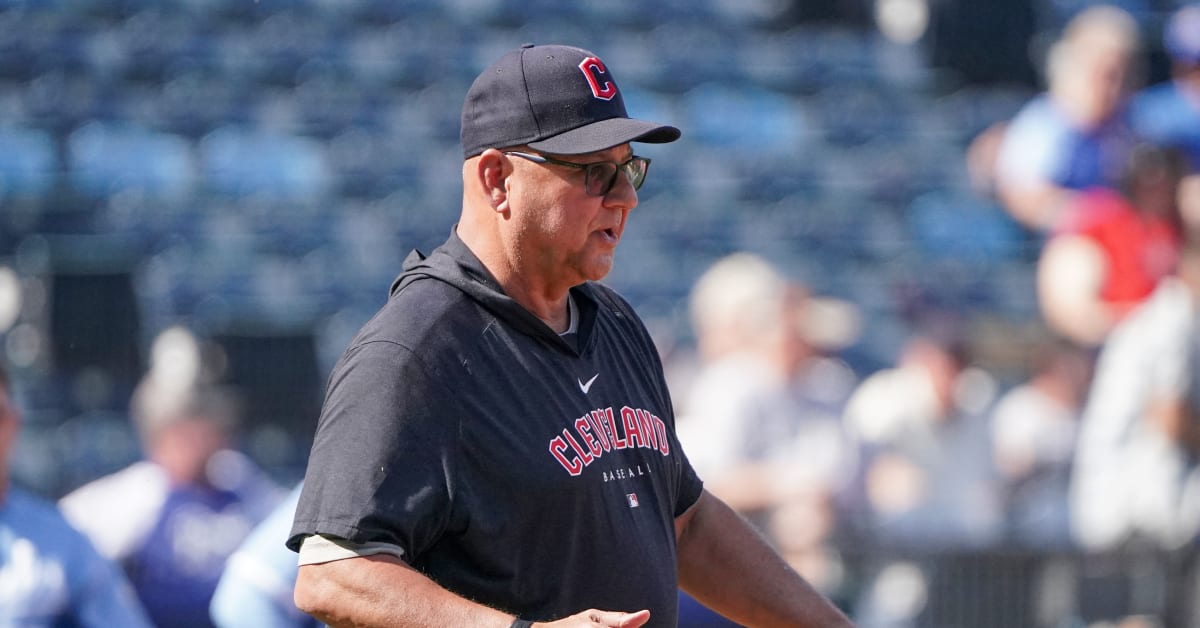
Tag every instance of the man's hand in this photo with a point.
(593, 617)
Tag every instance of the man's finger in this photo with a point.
(633, 620)
(618, 619)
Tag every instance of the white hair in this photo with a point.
(1097, 29)
(738, 298)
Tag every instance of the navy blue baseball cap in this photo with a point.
(1182, 34)
(556, 99)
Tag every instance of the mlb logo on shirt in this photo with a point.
(632, 498)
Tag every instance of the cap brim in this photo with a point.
(605, 134)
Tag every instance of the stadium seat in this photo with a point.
(105, 159)
(970, 110)
(197, 101)
(236, 161)
(852, 114)
(97, 442)
(29, 164)
(963, 228)
(744, 119)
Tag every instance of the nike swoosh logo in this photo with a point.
(588, 385)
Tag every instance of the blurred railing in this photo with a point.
(1019, 588)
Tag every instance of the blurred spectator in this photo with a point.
(927, 466)
(1112, 247)
(762, 384)
(173, 518)
(255, 590)
(1135, 472)
(50, 575)
(762, 420)
(1075, 135)
(1033, 432)
(1168, 113)
(736, 308)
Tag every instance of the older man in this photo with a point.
(497, 446)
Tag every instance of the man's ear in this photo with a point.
(492, 171)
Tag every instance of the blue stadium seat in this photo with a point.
(105, 159)
(375, 56)
(749, 14)
(852, 114)
(692, 52)
(37, 5)
(509, 15)
(970, 110)
(29, 164)
(365, 239)
(160, 44)
(287, 41)
(375, 12)
(105, 52)
(238, 161)
(371, 163)
(781, 61)
(16, 54)
(963, 228)
(744, 119)
(97, 443)
(196, 102)
(847, 56)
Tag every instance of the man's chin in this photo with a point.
(598, 270)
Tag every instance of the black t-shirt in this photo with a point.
(512, 468)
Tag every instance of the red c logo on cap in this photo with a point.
(593, 69)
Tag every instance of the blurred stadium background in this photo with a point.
(255, 170)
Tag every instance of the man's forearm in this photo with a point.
(728, 566)
(381, 590)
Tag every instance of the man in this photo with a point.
(1076, 135)
(497, 446)
(1112, 247)
(50, 575)
(761, 420)
(1135, 468)
(927, 477)
(173, 518)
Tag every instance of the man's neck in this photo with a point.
(548, 305)
(545, 301)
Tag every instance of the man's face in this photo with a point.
(559, 229)
(184, 448)
(1109, 73)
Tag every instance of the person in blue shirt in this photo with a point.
(255, 590)
(50, 575)
(172, 518)
(1168, 113)
(1076, 135)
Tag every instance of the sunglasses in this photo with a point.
(599, 176)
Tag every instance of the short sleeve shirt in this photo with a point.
(509, 468)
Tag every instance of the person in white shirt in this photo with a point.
(1135, 472)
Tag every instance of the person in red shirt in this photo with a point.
(1112, 247)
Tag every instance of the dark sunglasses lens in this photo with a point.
(600, 178)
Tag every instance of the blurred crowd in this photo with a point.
(1092, 448)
